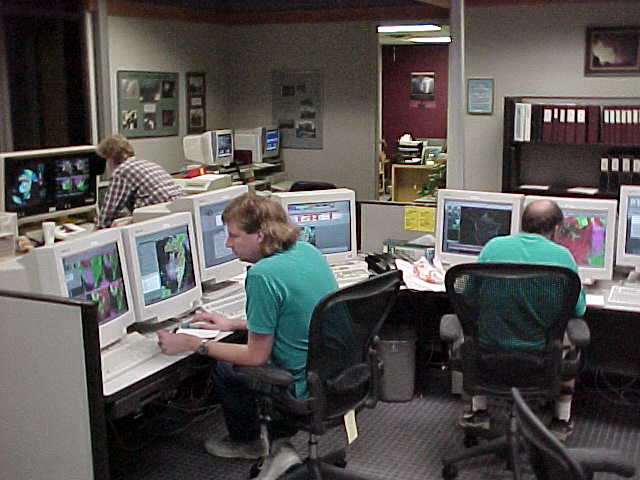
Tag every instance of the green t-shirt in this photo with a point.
(282, 291)
(502, 317)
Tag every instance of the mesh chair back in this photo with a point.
(513, 317)
(342, 365)
(547, 456)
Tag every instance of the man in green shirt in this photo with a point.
(286, 281)
(541, 222)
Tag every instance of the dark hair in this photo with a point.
(253, 213)
(542, 217)
(116, 148)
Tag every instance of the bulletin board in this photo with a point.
(147, 104)
(297, 108)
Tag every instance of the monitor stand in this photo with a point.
(213, 290)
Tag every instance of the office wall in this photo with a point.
(167, 46)
(401, 114)
(533, 51)
(346, 54)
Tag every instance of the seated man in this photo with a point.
(541, 221)
(283, 286)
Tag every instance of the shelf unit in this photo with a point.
(550, 161)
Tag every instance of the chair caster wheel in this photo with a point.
(449, 472)
(470, 441)
(341, 463)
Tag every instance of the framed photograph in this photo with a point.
(480, 96)
(423, 85)
(196, 97)
(612, 51)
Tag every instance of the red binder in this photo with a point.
(562, 125)
(547, 124)
(570, 132)
(581, 125)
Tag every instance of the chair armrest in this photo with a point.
(267, 374)
(450, 328)
(603, 460)
(578, 332)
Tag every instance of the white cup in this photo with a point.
(48, 232)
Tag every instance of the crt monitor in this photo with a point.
(165, 281)
(255, 145)
(90, 267)
(466, 220)
(326, 218)
(588, 231)
(214, 147)
(50, 182)
(628, 246)
(217, 262)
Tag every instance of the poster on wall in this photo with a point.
(297, 108)
(147, 104)
(196, 97)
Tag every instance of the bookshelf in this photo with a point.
(558, 145)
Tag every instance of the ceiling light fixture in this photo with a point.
(430, 39)
(408, 28)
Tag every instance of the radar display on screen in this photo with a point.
(584, 234)
(96, 275)
(26, 186)
(327, 225)
(166, 264)
(470, 224)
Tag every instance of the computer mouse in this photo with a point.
(200, 325)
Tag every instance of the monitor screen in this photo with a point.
(467, 220)
(326, 219)
(96, 275)
(628, 246)
(272, 138)
(75, 186)
(27, 185)
(214, 235)
(632, 236)
(166, 264)
(224, 145)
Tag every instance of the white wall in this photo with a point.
(532, 51)
(163, 46)
(346, 54)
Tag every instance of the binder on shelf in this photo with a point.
(603, 184)
(570, 132)
(635, 126)
(606, 125)
(614, 176)
(625, 175)
(554, 125)
(581, 125)
(593, 124)
(562, 125)
(624, 126)
(522, 122)
(547, 125)
(635, 172)
(536, 123)
(617, 125)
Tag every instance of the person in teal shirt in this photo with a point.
(541, 222)
(286, 281)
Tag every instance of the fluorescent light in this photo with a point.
(408, 28)
(430, 39)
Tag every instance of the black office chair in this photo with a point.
(343, 369)
(304, 185)
(493, 303)
(549, 458)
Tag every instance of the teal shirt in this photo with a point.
(282, 291)
(523, 248)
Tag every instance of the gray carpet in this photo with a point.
(403, 441)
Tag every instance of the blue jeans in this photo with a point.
(238, 395)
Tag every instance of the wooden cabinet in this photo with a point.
(541, 160)
(407, 181)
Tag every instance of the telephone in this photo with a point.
(381, 262)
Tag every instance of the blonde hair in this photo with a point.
(115, 148)
(253, 213)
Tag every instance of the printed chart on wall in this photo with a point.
(297, 108)
(147, 104)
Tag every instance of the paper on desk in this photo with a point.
(199, 332)
(421, 275)
(594, 300)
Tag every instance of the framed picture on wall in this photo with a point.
(612, 51)
(423, 85)
(480, 96)
(196, 97)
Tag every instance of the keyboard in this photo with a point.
(624, 295)
(229, 306)
(349, 273)
(127, 353)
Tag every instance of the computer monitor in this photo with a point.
(628, 245)
(588, 231)
(255, 145)
(326, 218)
(39, 184)
(217, 262)
(466, 220)
(214, 147)
(165, 281)
(91, 267)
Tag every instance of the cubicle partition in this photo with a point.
(53, 423)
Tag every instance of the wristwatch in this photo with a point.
(202, 348)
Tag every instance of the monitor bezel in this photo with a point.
(610, 208)
(192, 203)
(332, 195)
(623, 258)
(226, 157)
(516, 201)
(173, 306)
